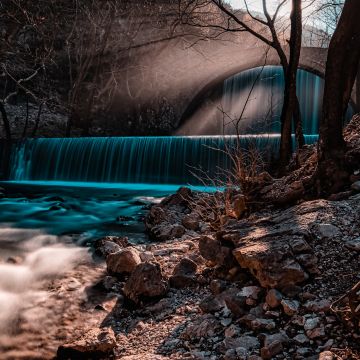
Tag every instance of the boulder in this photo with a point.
(94, 344)
(146, 281)
(123, 262)
(183, 274)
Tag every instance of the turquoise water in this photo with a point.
(134, 160)
(258, 93)
(85, 211)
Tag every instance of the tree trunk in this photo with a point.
(26, 119)
(341, 69)
(5, 121)
(290, 101)
(299, 134)
(37, 120)
(358, 90)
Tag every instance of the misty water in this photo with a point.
(44, 226)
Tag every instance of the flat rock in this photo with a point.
(327, 231)
(271, 261)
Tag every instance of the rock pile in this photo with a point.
(258, 288)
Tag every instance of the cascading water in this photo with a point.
(256, 95)
(156, 160)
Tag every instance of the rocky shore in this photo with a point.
(264, 287)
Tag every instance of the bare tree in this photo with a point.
(341, 69)
(271, 29)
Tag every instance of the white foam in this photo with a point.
(44, 258)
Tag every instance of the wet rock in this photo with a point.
(291, 307)
(273, 298)
(181, 198)
(146, 281)
(96, 343)
(123, 262)
(155, 216)
(191, 221)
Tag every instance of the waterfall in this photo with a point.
(263, 87)
(156, 160)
